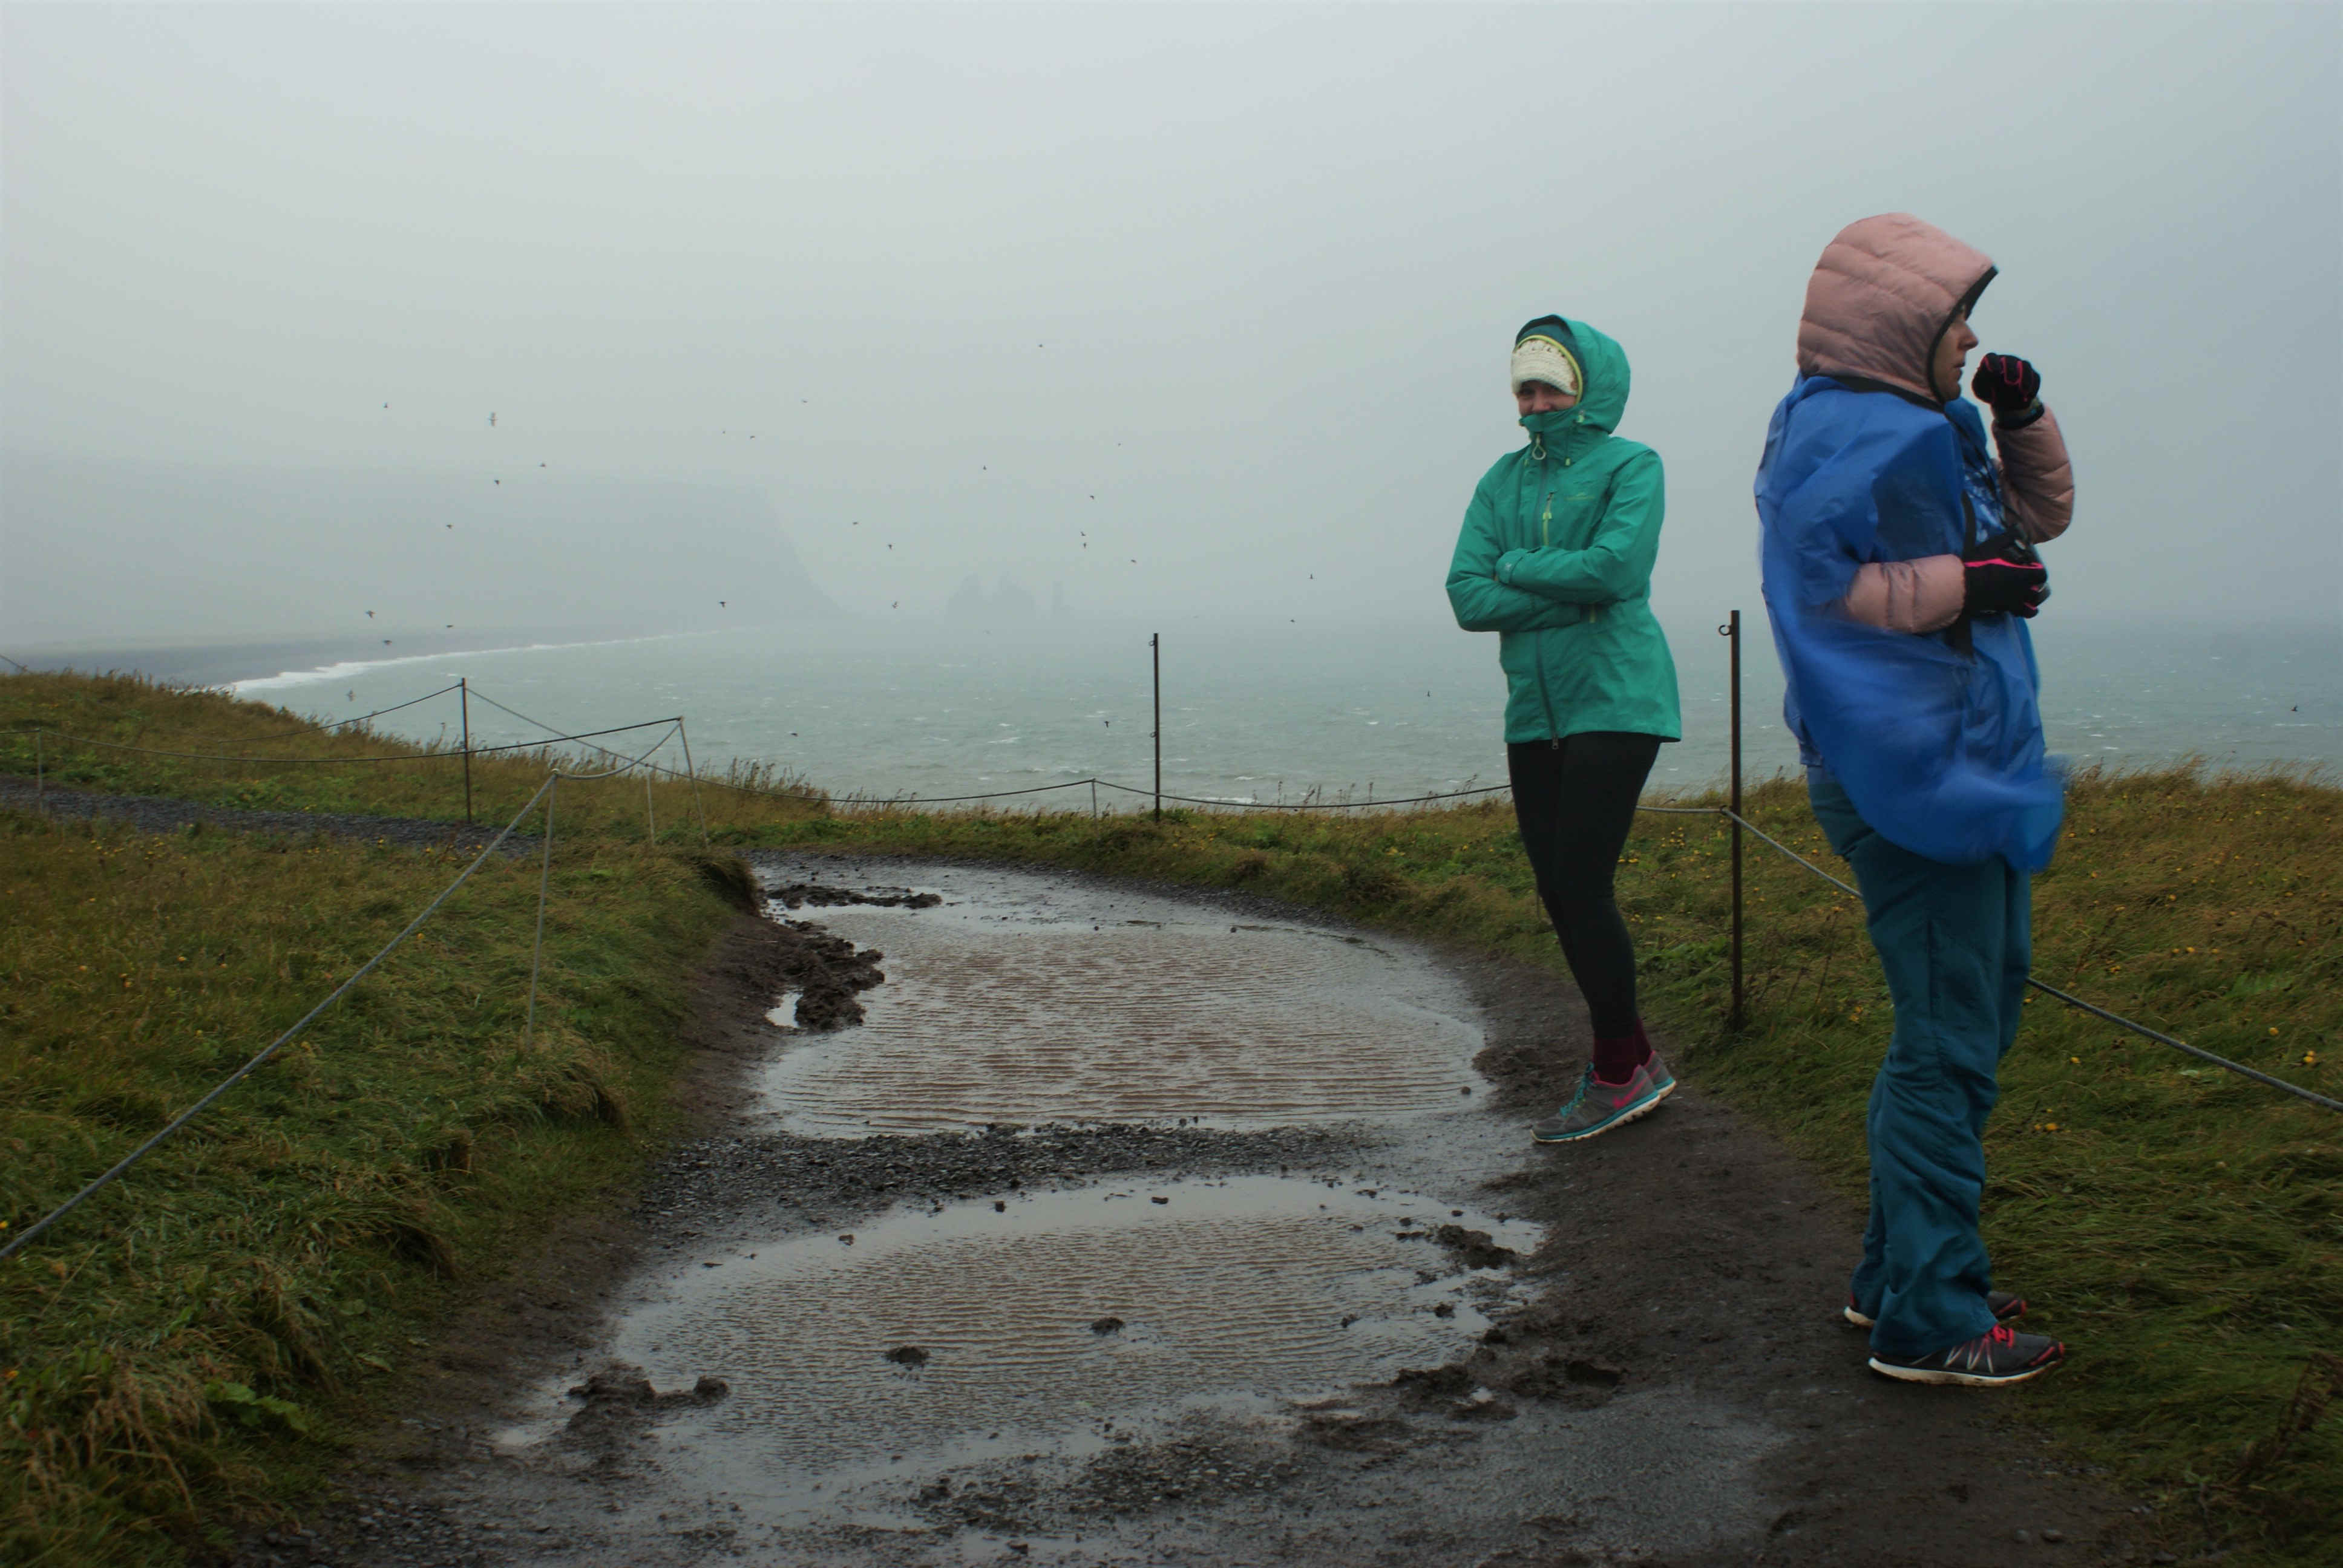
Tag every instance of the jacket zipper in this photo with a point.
(1545, 697)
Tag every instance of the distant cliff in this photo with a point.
(148, 551)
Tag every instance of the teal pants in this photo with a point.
(1955, 943)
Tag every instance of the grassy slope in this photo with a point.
(2179, 1225)
(237, 744)
(161, 1350)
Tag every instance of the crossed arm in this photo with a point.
(1533, 590)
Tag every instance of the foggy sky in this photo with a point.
(1231, 290)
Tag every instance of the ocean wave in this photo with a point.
(330, 673)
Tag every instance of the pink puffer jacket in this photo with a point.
(1883, 293)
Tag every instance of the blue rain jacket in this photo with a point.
(1935, 738)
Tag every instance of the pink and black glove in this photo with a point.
(2010, 386)
(2003, 575)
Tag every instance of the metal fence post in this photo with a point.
(40, 774)
(464, 696)
(1738, 1018)
(1155, 651)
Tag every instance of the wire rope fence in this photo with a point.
(673, 729)
(546, 793)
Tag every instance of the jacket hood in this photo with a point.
(1882, 295)
(1603, 402)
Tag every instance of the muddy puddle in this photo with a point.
(1019, 1319)
(1120, 1229)
(1003, 1004)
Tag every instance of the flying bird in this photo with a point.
(720, 603)
(353, 690)
(369, 615)
(492, 421)
(386, 642)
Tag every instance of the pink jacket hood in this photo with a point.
(1880, 298)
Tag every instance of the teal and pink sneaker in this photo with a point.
(1598, 1107)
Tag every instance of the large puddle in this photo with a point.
(1153, 1370)
(1002, 1008)
(1011, 1319)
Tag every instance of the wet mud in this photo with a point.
(979, 1329)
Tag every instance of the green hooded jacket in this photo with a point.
(1555, 557)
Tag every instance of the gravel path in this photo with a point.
(163, 814)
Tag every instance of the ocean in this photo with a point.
(1252, 713)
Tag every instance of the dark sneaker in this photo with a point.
(1997, 1356)
(2006, 1307)
(1598, 1107)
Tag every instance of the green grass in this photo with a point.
(176, 1357)
(248, 754)
(2179, 1225)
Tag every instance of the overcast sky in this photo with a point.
(1227, 291)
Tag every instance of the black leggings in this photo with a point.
(1575, 799)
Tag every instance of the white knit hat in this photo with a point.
(1542, 359)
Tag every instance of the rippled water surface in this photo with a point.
(1254, 1286)
(1120, 1022)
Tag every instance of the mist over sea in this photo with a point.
(1252, 712)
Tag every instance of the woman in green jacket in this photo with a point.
(1555, 558)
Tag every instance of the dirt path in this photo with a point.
(954, 1343)
(167, 814)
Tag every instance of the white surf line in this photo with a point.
(327, 674)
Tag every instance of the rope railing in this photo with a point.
(116, 1172)
(345, 723)
(2067, 997)
(1095, 783)
(545, 792)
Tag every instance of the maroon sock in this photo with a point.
(1616, 1058)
